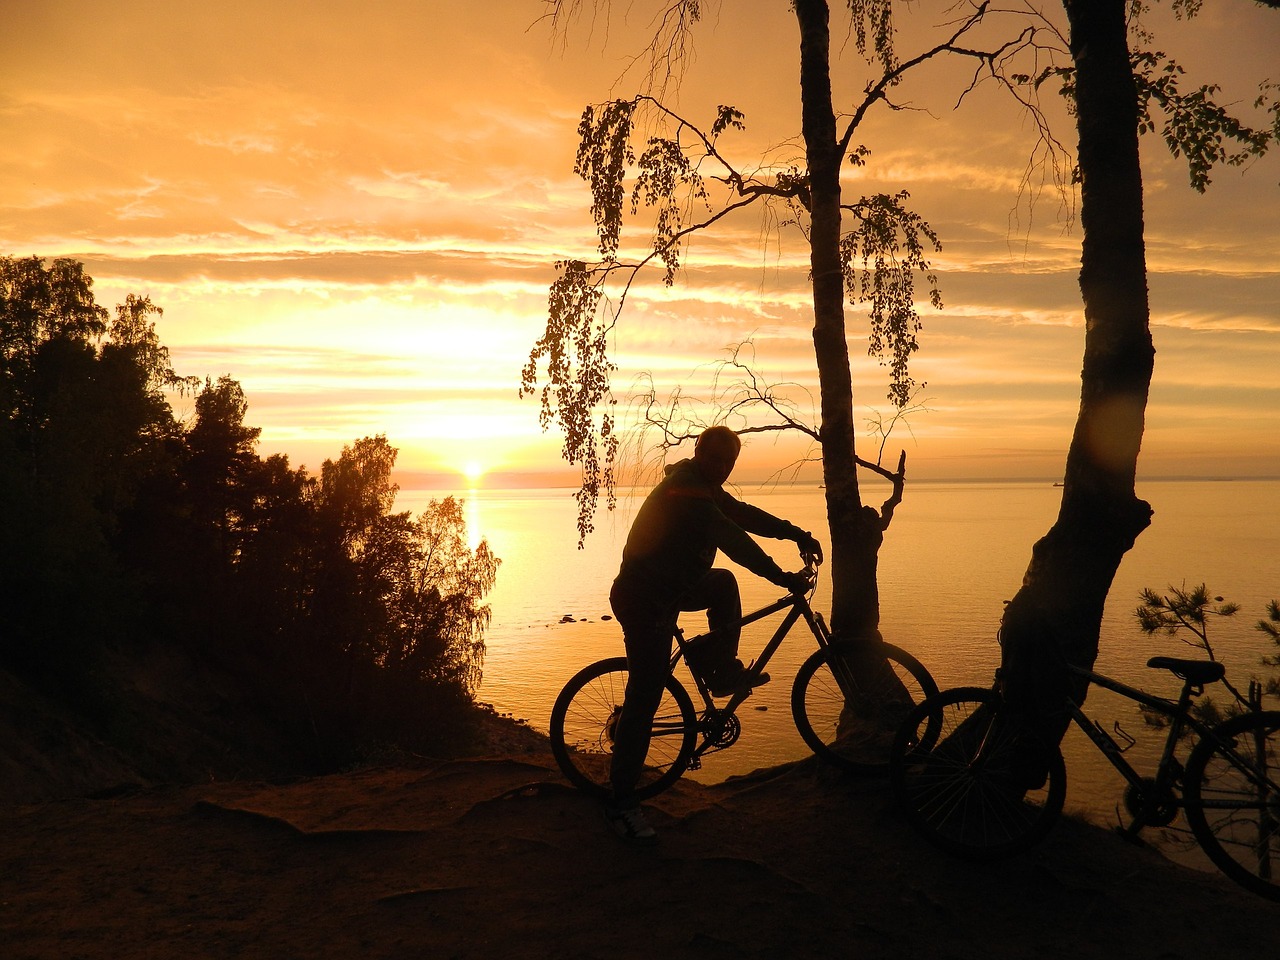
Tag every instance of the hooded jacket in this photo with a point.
(681, 525)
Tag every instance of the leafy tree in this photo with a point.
(870, 251)
(42, 303)
(272, 571)
(120, 527)
(1185, 615)
(356, 491)
(220, 461)
(82, 429)
(438, 620)
(1270, 628)
(1114, 94)
(404, 593)
(44, 312)
(1059, 606)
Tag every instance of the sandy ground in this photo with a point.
(498, 857)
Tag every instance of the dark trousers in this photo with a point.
(647, 632)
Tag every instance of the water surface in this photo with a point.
(954, 553)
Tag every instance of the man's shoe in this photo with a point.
(734, 680)
(630, 824)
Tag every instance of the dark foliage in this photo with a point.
(125, 533)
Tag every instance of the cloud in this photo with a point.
(355, 210)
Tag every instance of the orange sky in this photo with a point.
(353, 208)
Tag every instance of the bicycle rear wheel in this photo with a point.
(1232, 798)
(582, 723)
(959, 774)
(847, 705)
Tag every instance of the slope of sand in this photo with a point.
(496, 857)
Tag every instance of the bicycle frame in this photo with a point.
(1169, 769)
(1176, 711)
(800, 608)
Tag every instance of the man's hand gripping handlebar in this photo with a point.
(802, 581)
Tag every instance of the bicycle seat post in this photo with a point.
(1190, 689)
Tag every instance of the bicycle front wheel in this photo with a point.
(848, 703)
(583, 720)
(1232, 797)
(966, 775)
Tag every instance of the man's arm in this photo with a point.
(753, 519)
(764, 524)
(742, 550)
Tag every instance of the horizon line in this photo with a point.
(562, 479)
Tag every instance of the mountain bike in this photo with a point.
(847, 701)
(962, 771)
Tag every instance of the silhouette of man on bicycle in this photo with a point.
(666, 569)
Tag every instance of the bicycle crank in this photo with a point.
(1142, 803)
(720, 729)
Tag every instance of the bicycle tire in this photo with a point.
(824, 702)
(955, 775)
(582, 723)
(1232, 797)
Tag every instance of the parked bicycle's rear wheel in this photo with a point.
(965, 774)
(848, 714)
(583, 720)
(1232, 798)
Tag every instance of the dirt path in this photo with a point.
(497, 858)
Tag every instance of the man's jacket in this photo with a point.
(682, 523)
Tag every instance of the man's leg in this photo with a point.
(717, 593)
(647, 633)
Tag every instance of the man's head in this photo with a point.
(716, 451)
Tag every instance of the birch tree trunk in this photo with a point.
(855, 532)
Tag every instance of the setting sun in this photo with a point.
(355, 282)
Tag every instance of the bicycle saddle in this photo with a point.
(1196, 671)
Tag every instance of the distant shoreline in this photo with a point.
(452, 484)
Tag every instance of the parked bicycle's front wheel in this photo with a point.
(848, 703)
(586, 713)
(1232, 798)
(968, 775)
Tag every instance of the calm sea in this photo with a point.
(954, 553)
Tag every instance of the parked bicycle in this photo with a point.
(959, 771)
(843, 701)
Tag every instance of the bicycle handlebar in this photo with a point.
(810, 572)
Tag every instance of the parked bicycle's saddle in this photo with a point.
(1197, 671)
